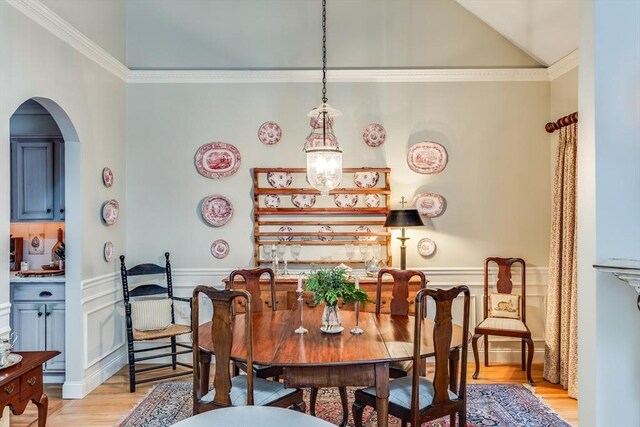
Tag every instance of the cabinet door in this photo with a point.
(55, 335)
(58, 180)
(32, 181)
(28, 321)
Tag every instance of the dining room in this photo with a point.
(379, 209)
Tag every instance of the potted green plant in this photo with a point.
(329, 286)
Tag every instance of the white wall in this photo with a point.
(287, 34)
(88, 103)
(609, 211)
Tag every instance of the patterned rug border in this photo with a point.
(488, 405)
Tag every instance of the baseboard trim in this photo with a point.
(79, 389)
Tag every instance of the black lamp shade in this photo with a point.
(403, 218)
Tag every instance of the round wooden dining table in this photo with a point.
(318, 359)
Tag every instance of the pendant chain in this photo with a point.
(324, 51)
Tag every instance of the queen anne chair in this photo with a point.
(504, 313)
(239, 390)
(414, 398)
(150, 316)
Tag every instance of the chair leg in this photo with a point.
(486, 350)
(403, 423)
(522, 352)
(463, 418)
(529, 342)
(132, 368)
(357, 410)
(345, 406)
(174, 357)
(313, 395)
(474, 344)
(452, 420)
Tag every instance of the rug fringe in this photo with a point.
(550, 410)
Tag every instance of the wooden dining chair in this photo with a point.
(399, 305)
(239, 390)
(415, 399)
(504, 313)
(251, 279)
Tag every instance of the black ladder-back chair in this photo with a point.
(172, 331)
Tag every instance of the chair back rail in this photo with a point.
(400, 289)
(504, 285)
(252, 280)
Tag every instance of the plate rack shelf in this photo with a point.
(322, 233)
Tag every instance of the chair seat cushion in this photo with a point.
(170, 331)
(151, 315)
(265, 392)
(503, 323)
(400, 392)
(404, 366)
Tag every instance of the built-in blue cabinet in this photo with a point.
(37, 179)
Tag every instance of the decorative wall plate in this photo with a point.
(366, 179)
(107, 177)
(345, 200)
(285, 229)
(279, 179)
(303, 200)
(364, 229)
(108, 251)
(427, 157)
(216, 210)
(269, 133)
(271, 201)
(110, 211)
(217, 160)
(374, 135)
(426, 247)
(325, 233)
(430, 205)
(220, 249)
(372, 200)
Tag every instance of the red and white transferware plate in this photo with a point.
(345, 200)
(217, 160)
(427, 157)
(303, 200)
(366, 179)
(107, 177)
(430, 205)
(285, 229)
(271, 201)
(269, 133)
(374, 135)
(325, 233)
(108, 251)
(372, 200)
(110, 212)
(364, 229)
(220, 248)
(216, 210)
(279, 179)
(426, 247)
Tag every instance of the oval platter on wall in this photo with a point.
(430, 205)
(427, 157)
(217, 160)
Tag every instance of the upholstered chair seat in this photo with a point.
(400, 392)
(265, 392)
(501, 323)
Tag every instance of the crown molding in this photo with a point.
(57, 26)
(563, 65)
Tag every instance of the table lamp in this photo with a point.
(403, 218)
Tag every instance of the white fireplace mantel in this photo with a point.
(627, 270)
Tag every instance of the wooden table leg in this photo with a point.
(205, 368)
(382, 393)
(43, 406)
(454, 361)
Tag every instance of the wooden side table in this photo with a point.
(22, 383)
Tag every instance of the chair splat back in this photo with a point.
(400, 290)
(252, 280)
(504, 285)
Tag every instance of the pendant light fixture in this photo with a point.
(324, 156)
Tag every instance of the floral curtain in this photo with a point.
(561, 334)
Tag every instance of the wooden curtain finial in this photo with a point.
(561, 122)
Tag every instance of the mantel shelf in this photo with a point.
(627, 270)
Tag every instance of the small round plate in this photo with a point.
(325, 233)
(345, 200)
(219, 249)
(364, 229)
(366, 179)
(426, 247)
(110, 212)
(271, 201)
(269, 133)
(217, 210)
(427, 157)
(217, 160)
(279, 179)
(332, 330)
(285, 229)
(107, 177)
(372, 200)
(374, 135)
(302, 201)
(429, 205)
(108, 251)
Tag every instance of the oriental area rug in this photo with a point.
(495, 405)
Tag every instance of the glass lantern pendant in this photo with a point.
(324, 156)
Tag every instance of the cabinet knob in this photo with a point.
(61, 210)
(48, 210)
(48, 313)
(39, 314)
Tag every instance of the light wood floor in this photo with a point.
(110, 402)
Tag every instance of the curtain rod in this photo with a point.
(561, 122)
